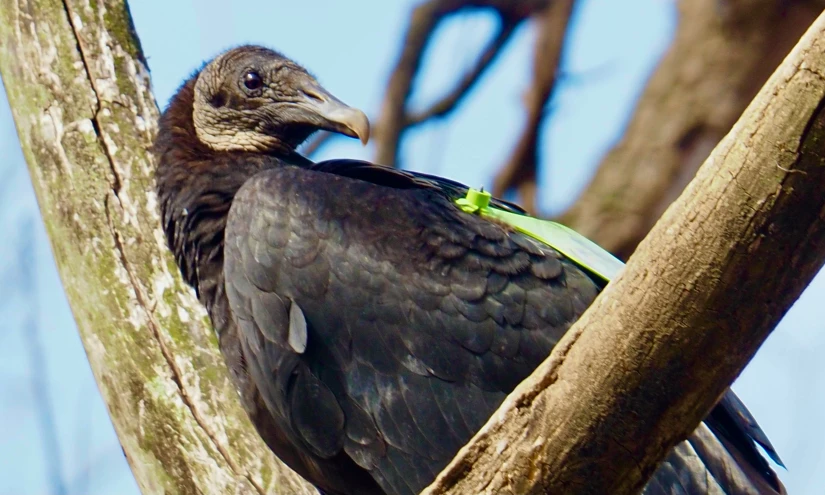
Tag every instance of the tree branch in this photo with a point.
(78, 86)
(520, 169)
(418, 36)
(394, 118)
(709, 283)
(317, 142)
(448, 102)
(454, 97)
(27, 278)
(718, 60)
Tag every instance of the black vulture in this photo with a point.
(370, 325)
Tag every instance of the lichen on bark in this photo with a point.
(80, 94)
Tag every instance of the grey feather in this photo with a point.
(297, 329)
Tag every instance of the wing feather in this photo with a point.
(418, 318)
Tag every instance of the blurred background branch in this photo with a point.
(38, 364)
(721, 55)
(394, 118)
(520, 170)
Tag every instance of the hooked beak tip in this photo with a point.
(362, 127)
(350, 121)
(339, 116)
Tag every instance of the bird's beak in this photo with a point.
(335, 114)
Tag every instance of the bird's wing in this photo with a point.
(726, 443)
(387, 322)
(380, 320)
(709, 461)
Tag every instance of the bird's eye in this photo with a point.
(252, 80)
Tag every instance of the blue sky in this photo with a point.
(350, 46)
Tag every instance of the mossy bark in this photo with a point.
(80, 94)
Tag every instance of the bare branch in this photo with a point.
(317, 142)
(454, 97)
(520, 169)
(717, 62)
(631, 378)
(38, 364)
(393, 119)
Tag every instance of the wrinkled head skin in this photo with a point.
(254, 99)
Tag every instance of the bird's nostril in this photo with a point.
(312, 94)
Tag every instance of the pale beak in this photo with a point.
(336, 116)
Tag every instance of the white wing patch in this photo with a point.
(297, 329)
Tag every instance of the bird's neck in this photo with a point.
(194, 206)
(196, 186)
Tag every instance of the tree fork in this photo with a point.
(649, 359)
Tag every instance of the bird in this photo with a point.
(369, 324)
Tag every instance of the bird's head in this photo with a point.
(251, 98)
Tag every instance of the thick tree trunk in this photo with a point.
(721, 55)
(79, 89)
(701, 293)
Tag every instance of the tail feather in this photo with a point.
(710, 462)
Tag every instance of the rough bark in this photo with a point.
(706, 286)
(721, 55)
(79, 89)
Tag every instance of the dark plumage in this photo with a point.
(371, 326)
